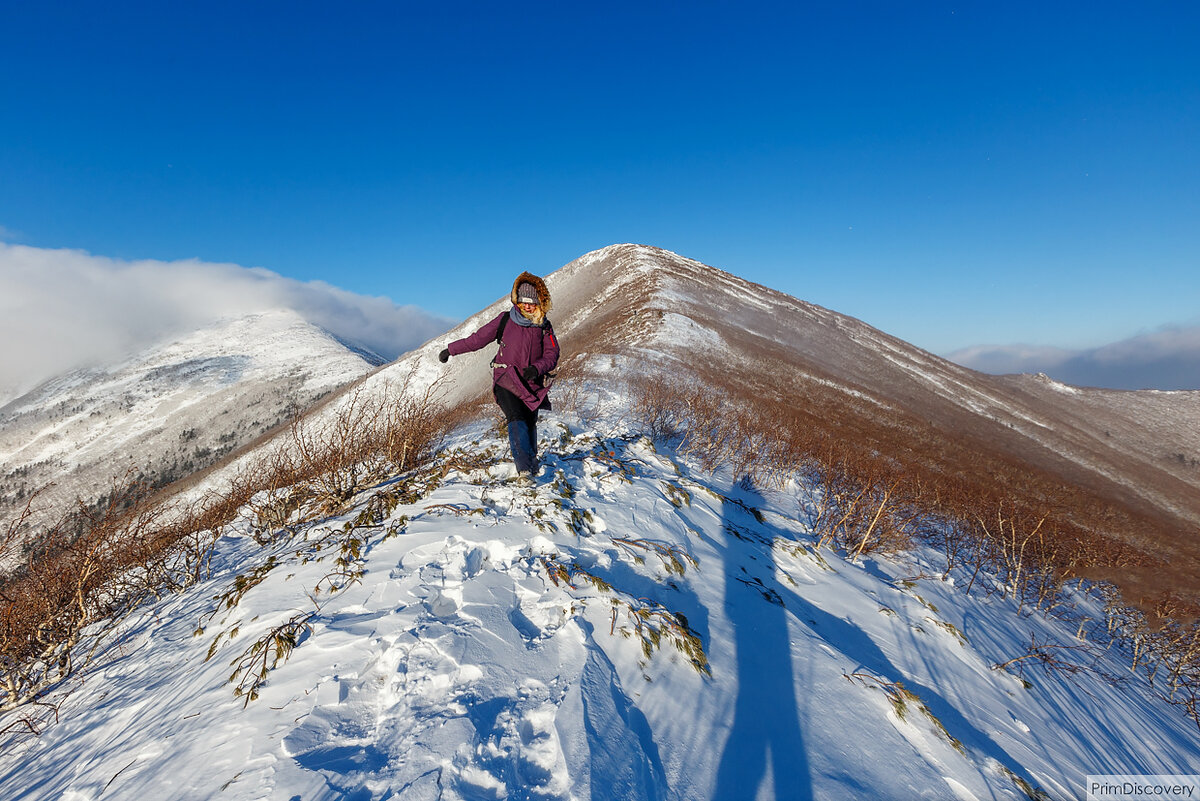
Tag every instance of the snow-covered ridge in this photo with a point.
(507, 642)
(627, 309)
(1122, 440)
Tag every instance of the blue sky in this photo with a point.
(953, 173)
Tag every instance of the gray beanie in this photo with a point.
(527, 293)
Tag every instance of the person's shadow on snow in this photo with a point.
(765, 742)
(766, 728)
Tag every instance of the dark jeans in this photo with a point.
(522, 429)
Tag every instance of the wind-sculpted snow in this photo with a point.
(629, 628)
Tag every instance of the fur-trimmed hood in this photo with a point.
(544, 303)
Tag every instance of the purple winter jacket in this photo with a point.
(524, 344)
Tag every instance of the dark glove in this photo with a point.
(444, 356)
(529, 373)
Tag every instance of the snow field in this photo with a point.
(507, 642)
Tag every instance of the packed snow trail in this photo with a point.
(629, 628)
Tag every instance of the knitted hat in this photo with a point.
(527, 293)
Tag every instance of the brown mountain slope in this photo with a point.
(1120, 463)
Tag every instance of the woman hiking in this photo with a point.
(528, 352)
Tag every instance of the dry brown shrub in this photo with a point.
(89, 568)
(708, 426)
(322, 462)
(367, 439)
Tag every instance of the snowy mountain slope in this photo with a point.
(490, 648)
(169, 411)
(1132, 451)
(1126, 461)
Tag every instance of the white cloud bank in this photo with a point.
(63, 309)
(1167, 359)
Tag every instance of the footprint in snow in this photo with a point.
(517, 752)
(393, 724)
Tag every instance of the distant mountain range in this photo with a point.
(170, 411)
(1168, 359)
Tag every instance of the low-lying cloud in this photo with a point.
(1167, 359)
(64, 309)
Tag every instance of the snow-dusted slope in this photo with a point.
(490, 650)
(708, 318)
(169, 411)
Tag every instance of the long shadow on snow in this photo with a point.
(623, 760)
(766, 725)
(857, 646)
